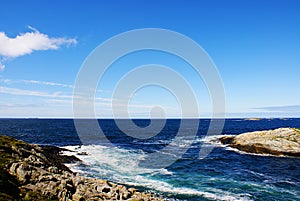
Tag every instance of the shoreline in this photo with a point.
(37, 172)
(282, 142)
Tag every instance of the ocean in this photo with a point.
(224, 174)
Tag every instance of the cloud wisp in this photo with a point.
(2, 66)
(26, 43)
(22, 92)
(60, 99)
(284, 108)
(9, 81)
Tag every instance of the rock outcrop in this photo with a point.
(280, 142)
(32, 172)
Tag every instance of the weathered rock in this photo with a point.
(77, 197)
(53, 169)
(23, 172)
(34, 160)
(39, 174)
(280, 142)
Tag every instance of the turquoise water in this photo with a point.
(225, 174)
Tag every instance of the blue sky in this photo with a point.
(254, 44)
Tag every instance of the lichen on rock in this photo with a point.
(279, 142)
(32, 172)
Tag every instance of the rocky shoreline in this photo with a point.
(278, 142)
(32, 172)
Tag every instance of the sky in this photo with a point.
(255, 46)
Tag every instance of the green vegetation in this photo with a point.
(297, 132)
(32, 172)
(6, 151)
(10, 186)
(30, 195)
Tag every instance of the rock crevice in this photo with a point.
(37, 173)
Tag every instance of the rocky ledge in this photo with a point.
(279, 142)
(32, 172)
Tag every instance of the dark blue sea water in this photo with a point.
(224, 174)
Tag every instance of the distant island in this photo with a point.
(36, 172)
(253, 119)
(32, 172)
(279, 142)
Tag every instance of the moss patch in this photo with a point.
(10, 187)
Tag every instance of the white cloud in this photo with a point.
(47, 83)
(2, 66)
(22, 92)
(282, 108)
(26, 43)
(58, 104)
(9, 81)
